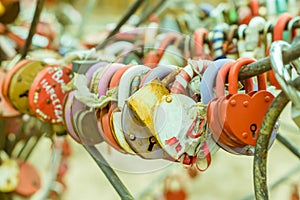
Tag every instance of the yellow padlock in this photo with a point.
(143, 102)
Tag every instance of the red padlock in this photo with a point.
(215, 125)
(244, 113)
(278, 31)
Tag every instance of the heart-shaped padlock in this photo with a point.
(240, 111)
(212, 110)
(207, 91)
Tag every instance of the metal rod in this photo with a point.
(262, 144)
(275, 184)
(33, 26)
(288, 144)
(109, 173)
(37, 139)
(264, 65)
(124, 19)
(150, 12)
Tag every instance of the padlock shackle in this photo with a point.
(280, 25)
(198, 39)
(233, 76)
(169, 38)
(114, 82)
(221, 79)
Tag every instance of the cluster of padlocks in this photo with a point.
(155, 91)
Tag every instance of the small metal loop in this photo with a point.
(290, 28)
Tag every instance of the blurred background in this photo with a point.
(229, 177)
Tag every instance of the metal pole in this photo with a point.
(288, 144)
(261, 149)
(124, 19)
(33, 26)
(109, 173)
(153, 10)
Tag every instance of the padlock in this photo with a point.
(136, 133)
(67, 116)
(199, 45)
(46, 95)
(9, 172)
(208, 80)
(245, 128)
(72, 105)
(154, 56)
(114, 114)
(172, 56)
(218, 41)
(171, 193)
(193, 69)
(29, 180)
(230, 46)
(278, 33)
(284, 74)
(214, 123)
(253, 43)
(160, 72)
(18, 83)
(173, 137)
(86, 125)
(207, 85)
(291, 33)
(105, 112)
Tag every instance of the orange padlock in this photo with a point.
(153, 57)
(174, 194)
(215, 125)
(244, 113)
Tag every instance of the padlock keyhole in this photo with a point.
(152, 141)
(253, 129)
(25, 94)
